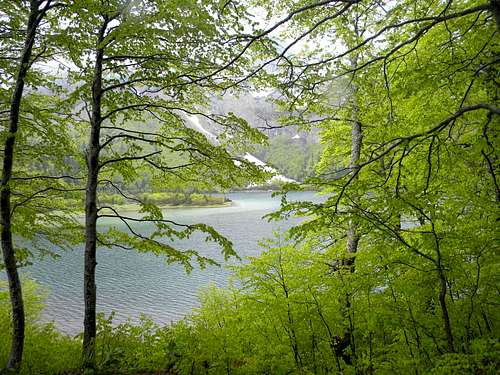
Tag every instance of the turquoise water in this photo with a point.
(132, 283)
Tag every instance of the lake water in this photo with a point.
(132, 283)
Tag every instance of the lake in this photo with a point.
(132, 283)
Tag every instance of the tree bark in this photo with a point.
(9, 256)
(90, 262)
(444, 308)
(356, 142)
(353, 236)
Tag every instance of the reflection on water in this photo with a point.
(132, 283)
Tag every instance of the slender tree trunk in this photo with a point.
(9, 256)
(443, 288)
(90, 263)
(444, 308)
(486, 321)
(353, 236)
(293, 337)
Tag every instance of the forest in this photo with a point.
(395, 270)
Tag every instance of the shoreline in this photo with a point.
(133, 207)
(136, 207)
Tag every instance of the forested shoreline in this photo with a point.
(160, 199)
(393, 271)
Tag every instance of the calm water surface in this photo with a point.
(132, 283)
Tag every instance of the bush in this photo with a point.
(129, 347)
(46, 351)
(111, 199)
(484, 360)
(198, 199)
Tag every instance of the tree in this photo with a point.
(405, 162)
(30, 127)
(142, 69)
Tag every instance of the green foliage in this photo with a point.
(176, 199)
(123, 348)
(419, 294)
(114, 199)
(43, 141)
(41, 338)
(130, 348)
(146, 95)
(285, 316)
(158, 199)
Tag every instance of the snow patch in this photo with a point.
(195, 121)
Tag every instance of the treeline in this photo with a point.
(294, 158)
(158, 198)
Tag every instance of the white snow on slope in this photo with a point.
(276, 178)
(195, 121)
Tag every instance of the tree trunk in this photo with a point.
(444, 309)
(353, 236)
(90, 263)
(9, 256)
(356, 142)
(352, 232)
